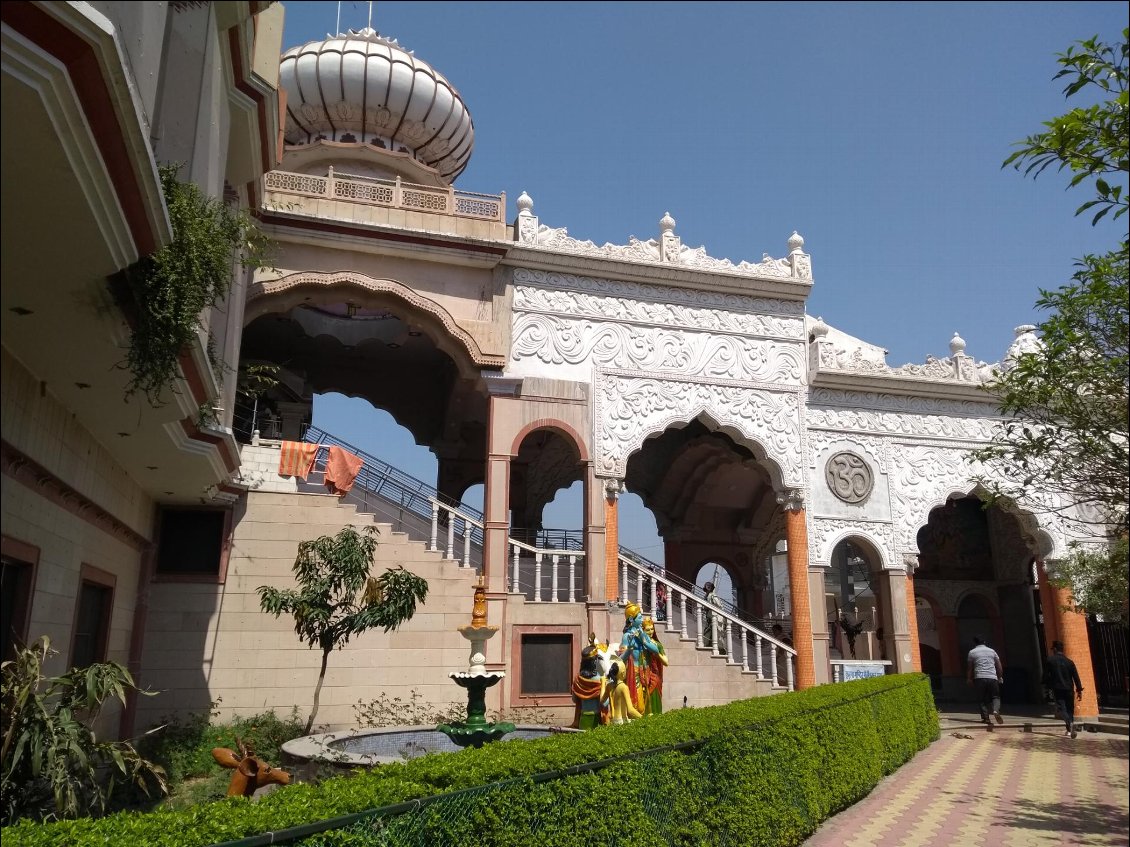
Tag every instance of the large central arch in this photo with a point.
(630, 409)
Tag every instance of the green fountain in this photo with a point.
(477, 730)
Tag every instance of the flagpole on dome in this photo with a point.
(338, 29)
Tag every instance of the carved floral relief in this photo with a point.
(556, 340)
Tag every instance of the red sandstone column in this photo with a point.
(1071, 627)
(611, 540)
(952, 663)
(796, 534)
(912, 619)
(1048, 603)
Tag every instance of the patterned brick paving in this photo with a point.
(1003, 789)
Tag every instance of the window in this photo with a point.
(192, 543)
(15, 603)
(547, 664)
(94, 607)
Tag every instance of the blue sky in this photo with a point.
(876, 130)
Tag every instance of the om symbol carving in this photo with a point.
(849, 477)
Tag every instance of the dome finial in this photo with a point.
(525, 204)
(666, 223)
(796, 242)
(957, 344)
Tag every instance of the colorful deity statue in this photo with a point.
(656, 663)
(589, 687)
(637, 651)
(621, 708)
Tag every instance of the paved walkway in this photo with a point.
(1007, 788)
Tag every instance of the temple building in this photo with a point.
(834, 488)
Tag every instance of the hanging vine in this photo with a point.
(170, 289)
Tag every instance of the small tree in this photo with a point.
(337, 598)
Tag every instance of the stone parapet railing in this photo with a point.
(388, 193)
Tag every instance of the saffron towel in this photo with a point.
(297, 458)
(342, 468)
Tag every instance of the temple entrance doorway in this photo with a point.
(976, 575)
(716, 510)
(856, 603)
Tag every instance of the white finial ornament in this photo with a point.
(957, 344)
(819, 329)
(525, 203)
(666, 223)
(796, 242)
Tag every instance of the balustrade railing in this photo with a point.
(680, 610)
(546, 574)
(456, 524)
(391, 193)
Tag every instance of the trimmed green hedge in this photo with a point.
(769, 771)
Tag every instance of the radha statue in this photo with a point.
(639, 652)
(656, 663)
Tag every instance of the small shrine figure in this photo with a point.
(656, 662)
(620, 700)
(589, 689)
(637, 649)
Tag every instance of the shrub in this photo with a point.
(765, 771)
(52, 763)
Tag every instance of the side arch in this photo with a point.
(556, 425)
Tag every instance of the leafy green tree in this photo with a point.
(1065, 404)
(337, 598)
(52, 763)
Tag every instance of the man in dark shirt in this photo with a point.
(1060, 675)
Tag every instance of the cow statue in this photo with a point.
(250, 772)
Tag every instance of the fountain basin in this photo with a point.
(364, 748)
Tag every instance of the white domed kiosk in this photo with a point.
(361, 99)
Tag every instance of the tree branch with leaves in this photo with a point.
(337, 597)
(1065, 428)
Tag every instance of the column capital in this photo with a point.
(911, 563)
(792, 499)
(613, 488)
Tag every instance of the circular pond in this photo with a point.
(368, 747)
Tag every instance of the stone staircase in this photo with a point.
(211, 643)
(253, 662)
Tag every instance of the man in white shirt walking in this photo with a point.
(987, 673)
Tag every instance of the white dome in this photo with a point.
(366, 89)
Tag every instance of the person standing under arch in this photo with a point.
(986, 672)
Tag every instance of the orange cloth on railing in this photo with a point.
(342, 468)
(297, 458)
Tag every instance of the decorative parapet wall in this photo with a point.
(828, 356)
(668, 249)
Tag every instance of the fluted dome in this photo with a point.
(365, 89)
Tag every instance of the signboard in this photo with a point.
(860, 670)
